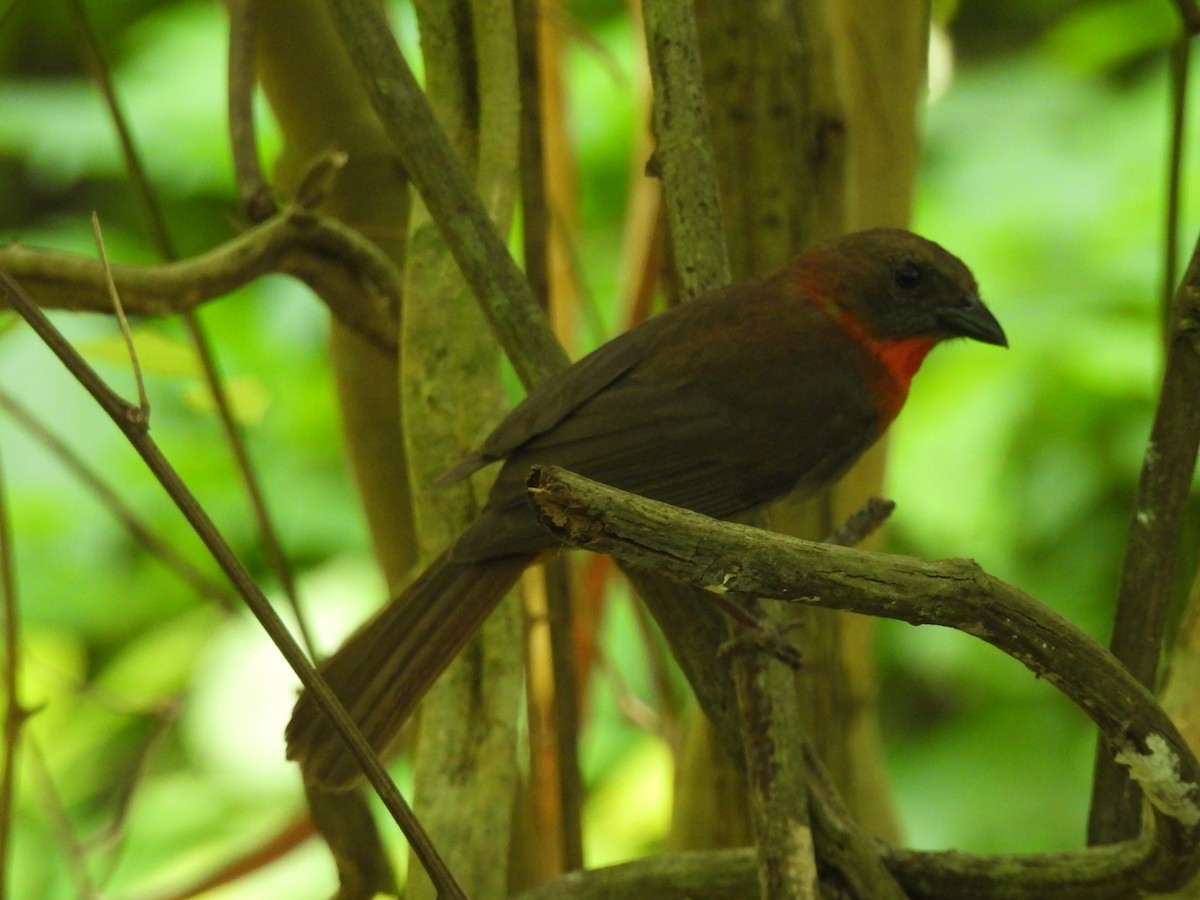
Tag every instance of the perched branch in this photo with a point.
(952, 593)
(360, 286)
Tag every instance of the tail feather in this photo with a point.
(381, 672)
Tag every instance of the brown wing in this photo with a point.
(698, 435)
(555, 399)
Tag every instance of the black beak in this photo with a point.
(973, 320)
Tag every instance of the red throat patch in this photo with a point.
(901, 357)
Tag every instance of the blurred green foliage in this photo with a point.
(1045, 169)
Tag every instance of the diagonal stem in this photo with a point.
(1148, 575)
(14, 713)
(124, 415)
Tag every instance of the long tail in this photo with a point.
(382, 670)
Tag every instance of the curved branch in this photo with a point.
(955, 593)
(1152, 551)
(358, 284)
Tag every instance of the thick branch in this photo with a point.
(359, 285)
(1152, 553)
(952, 593)
(1094, 874)
(683, 154)
(438, 174)
(1189, 14)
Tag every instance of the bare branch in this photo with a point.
(953, 593)
(114, 297)
(356, 281)
(1152, 551)
(438, 173)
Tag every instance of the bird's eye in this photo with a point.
(907, 276)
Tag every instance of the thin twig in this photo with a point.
(251, 483)
(560, 598)
(535, 213)
(60, 822)
(656, 658)
(14, 713)
(119, 411)
(1180, 55)
(139, 530)
(268, 534)
(841, 842)
(109, 837)
(122, 322)
(257, 199)
(536, 224)
(163, 717)
(246, 861)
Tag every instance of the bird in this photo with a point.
(765, 388)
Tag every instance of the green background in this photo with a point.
(1044, 168)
